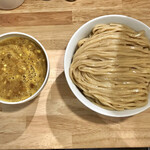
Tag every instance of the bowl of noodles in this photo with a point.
(107, 65)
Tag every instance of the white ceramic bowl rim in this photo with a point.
(131, 22)
(47, 60)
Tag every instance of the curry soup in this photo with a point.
(22, 68)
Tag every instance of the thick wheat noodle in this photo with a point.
(112, 67)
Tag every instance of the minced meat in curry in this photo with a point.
(22, 68)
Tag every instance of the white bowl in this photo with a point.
(19, 34)
(10, 4)
(82, 32)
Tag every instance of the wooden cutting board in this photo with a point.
(56, 119)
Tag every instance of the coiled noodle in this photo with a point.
(112, 67)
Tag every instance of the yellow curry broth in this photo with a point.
(22, 68)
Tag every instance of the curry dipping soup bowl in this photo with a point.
(83, 32)
(19, 34)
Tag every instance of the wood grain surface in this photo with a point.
(56, 119)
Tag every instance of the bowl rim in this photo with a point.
(71, 84)
(11, 34)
